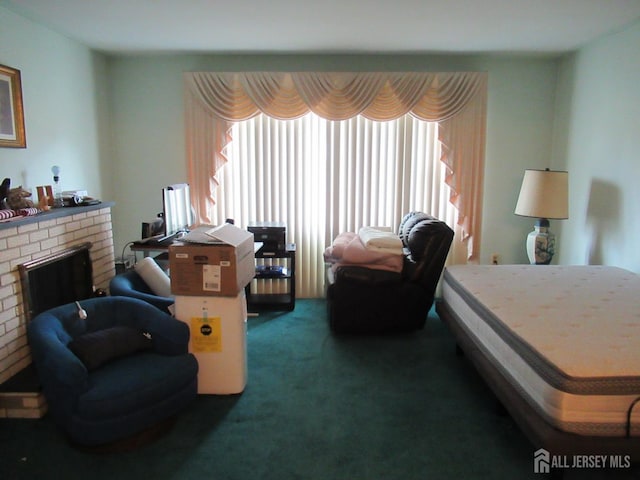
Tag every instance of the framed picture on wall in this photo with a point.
(11, 112)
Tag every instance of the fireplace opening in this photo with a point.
(51, 281)
(57, 279)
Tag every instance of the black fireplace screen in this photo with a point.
(57, 279)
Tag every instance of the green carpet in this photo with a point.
(316, 406)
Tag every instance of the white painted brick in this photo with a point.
(42, 253)
(66, 240)
(30, 249)
(9, 278)
(56, 231)
(94, 230)
(72, 227)
(12, 324)
(6, 292)
(49, 243)
(10, 336)
(9, 302)
(31, 227)
(18, 240)
(46, 224)
(5, 361)
(19, 260)
(39, 235)
(87, 223)
(9, 254)
(6, 315)
(8, 232)
(64, 220)
(19, 345)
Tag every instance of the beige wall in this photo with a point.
(598, 141)
(65, 108)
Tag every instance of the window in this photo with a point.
(324, 177)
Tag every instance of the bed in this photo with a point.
(558, 345)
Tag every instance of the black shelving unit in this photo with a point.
(275, 301)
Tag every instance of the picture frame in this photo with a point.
(12, 132)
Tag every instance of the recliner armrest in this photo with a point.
(367, 276)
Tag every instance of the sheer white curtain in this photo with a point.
(324, 177)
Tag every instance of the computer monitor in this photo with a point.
(176, 209)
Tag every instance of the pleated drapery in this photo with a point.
(213, 101)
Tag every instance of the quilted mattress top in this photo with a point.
(583, 320)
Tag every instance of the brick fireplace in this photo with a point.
(29, 239)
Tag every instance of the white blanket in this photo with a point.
(375, 238)
(348, 250)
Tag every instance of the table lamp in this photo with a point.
(543, 195)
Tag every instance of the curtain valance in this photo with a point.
(334, 96)
(457, 100)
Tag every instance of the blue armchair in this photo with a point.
(131, 284)
(113, 386)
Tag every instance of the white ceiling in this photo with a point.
(331, 26)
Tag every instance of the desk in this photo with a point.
(147, 249)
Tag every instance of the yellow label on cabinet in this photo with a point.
(206, 334)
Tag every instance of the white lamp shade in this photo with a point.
(544, 194)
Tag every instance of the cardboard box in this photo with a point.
(214, 261)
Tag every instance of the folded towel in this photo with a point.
(380, 240)
(27, 212)
(5, 214)
(348, 250)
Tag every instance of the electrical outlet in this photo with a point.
(494, 258)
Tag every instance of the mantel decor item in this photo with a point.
(12, 132)
(543, 195)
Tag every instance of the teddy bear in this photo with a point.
(18, 198)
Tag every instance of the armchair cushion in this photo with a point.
(95, 349)
(122, 380)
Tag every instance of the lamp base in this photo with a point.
(541, 243)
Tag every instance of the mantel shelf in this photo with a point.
(53, 214)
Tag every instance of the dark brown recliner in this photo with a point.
(363, 300)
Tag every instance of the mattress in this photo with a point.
(566, 337)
